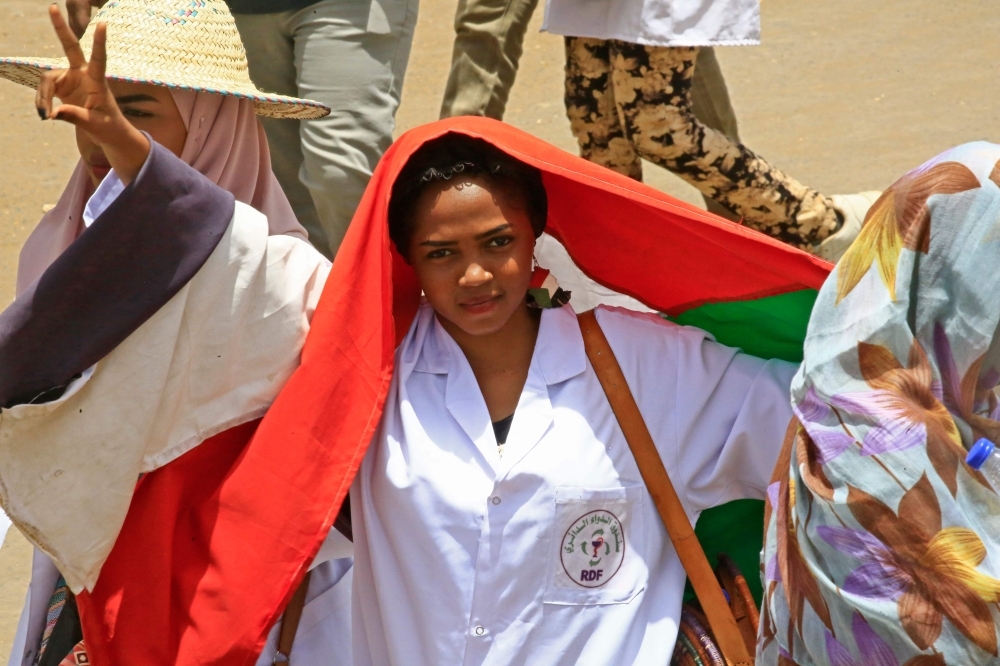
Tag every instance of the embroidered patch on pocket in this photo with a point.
(598, 533)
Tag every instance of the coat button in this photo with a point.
(495, 500)
(480, 631)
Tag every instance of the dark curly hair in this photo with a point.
(451, 154)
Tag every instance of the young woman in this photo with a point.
(209, 120)
(218, 135)
(497, 444)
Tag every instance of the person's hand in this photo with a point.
(79, 14)
(87, 101)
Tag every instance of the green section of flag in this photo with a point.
(736, 529)
(773, 327)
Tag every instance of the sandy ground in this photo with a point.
(845, 96)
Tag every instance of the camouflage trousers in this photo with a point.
(629, 101)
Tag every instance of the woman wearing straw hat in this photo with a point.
(202, 105)
(192, 96)
(351, 56)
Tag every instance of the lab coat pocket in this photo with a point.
(597, 547)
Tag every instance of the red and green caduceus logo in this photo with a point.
(593, 548)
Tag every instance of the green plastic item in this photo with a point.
(773, 327)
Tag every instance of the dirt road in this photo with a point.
(845, 96)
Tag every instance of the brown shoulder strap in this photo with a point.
(609, 372)
(290, 623)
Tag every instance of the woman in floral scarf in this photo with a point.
(881, 544)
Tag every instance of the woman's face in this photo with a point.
(150, 109)
(472, 248)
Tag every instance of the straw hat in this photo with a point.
(188, 44)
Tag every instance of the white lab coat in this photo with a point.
(324, 634)
(464, 557)
(657, 22)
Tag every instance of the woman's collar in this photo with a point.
(559, 352)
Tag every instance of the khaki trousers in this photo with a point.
(489, 41)
(352, 56)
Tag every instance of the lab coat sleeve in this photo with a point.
(717, 416)
(730, 417)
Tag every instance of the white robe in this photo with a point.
(211, 358)
(261, 324)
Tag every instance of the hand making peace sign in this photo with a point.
(87, 101)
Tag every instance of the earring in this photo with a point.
(544, 291)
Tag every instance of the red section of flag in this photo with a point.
(175, 578)
(216, 542)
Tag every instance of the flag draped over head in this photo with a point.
(248, 531)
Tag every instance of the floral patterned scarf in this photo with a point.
(882, 546)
